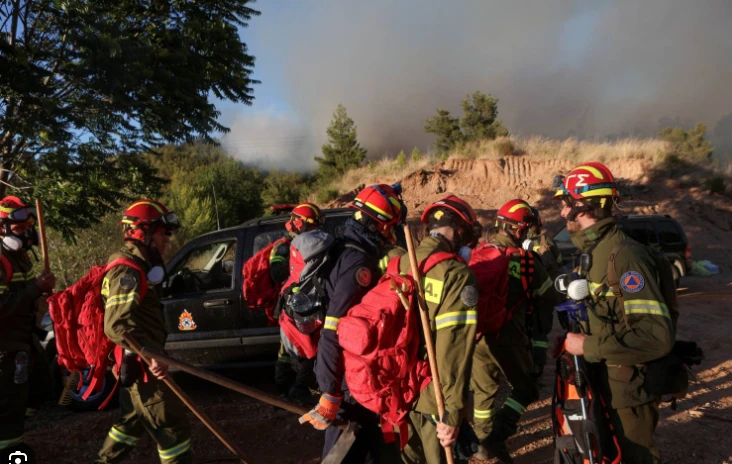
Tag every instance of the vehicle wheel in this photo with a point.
(677, 274)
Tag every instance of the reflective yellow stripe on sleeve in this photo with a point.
(122, 299)
(605, 293)
(276, 259)
(653, 307)
(331, 323)
(482, 413)
(12, 441)
(454, 318)
(383, 264)
(545, 286)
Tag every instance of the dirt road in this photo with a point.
(699, 431)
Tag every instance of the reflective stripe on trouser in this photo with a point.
(153, 407)
(488, 363)
(13, 402)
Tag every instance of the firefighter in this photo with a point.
(541, 322)
(146, 403)
(19, 290)
(622, 336)
(451, 295)
(294, 375)
(352, 271)
(529, 289)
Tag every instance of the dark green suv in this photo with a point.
(658, 230)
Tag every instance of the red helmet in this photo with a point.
(302, 214)
(516, 213)
(455, 204)
(590, 180)
(15, 210)
(381, 203)
(142, 214)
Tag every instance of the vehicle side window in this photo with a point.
(335, 225)
(562, 236)
(640, 231)
(263, 239)
(669, 232)
(205, 268)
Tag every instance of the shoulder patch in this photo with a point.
(469, 295)
(363, 276)
(632, 282)
(128, 281)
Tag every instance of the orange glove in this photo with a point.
(324, 413)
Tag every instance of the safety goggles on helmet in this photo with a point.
(170, 220)
(22, 214)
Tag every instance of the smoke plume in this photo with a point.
(581, 68)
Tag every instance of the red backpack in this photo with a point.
(490, 264)
(78, 320)
(257, 288)
(380, 342)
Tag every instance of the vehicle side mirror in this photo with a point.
(228, 266)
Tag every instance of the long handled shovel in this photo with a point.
(424, 316)
(71, 382)
(137, 348)
(340, 449)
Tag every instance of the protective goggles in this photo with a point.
(170, 220)
(23, 214)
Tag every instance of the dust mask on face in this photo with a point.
(12, 243)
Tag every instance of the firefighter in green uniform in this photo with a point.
(529, 287)
(623, 336)
(451, 295)
(19, 290)
(146, 403)
(541, 322)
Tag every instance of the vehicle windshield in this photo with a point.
(562, 236)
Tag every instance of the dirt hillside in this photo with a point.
(486, 184)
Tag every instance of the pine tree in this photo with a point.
(447, 130)
(481, 118)
(342, 152)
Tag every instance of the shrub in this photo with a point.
(715, 184)
(504, 148)
(401, 158)
(327, 194)
(416, 154)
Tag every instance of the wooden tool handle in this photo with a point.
(137, 348)
(424, 316)
(42, 234)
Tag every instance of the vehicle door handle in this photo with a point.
(215, 303)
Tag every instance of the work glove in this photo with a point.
(324, 413)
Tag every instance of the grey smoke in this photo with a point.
(585, 68)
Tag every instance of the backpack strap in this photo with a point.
(614, 282)
(7, 267)
(436, 258)
(393, 266)
(133, 265)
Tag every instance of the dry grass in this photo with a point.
(541, 148)
(383, 171)
(388, 171)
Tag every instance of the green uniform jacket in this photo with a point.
(123, 310)
(17, 302)
(548, 251)
(452, 297)
(542, 290)
(643, 330)
(390, 251)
